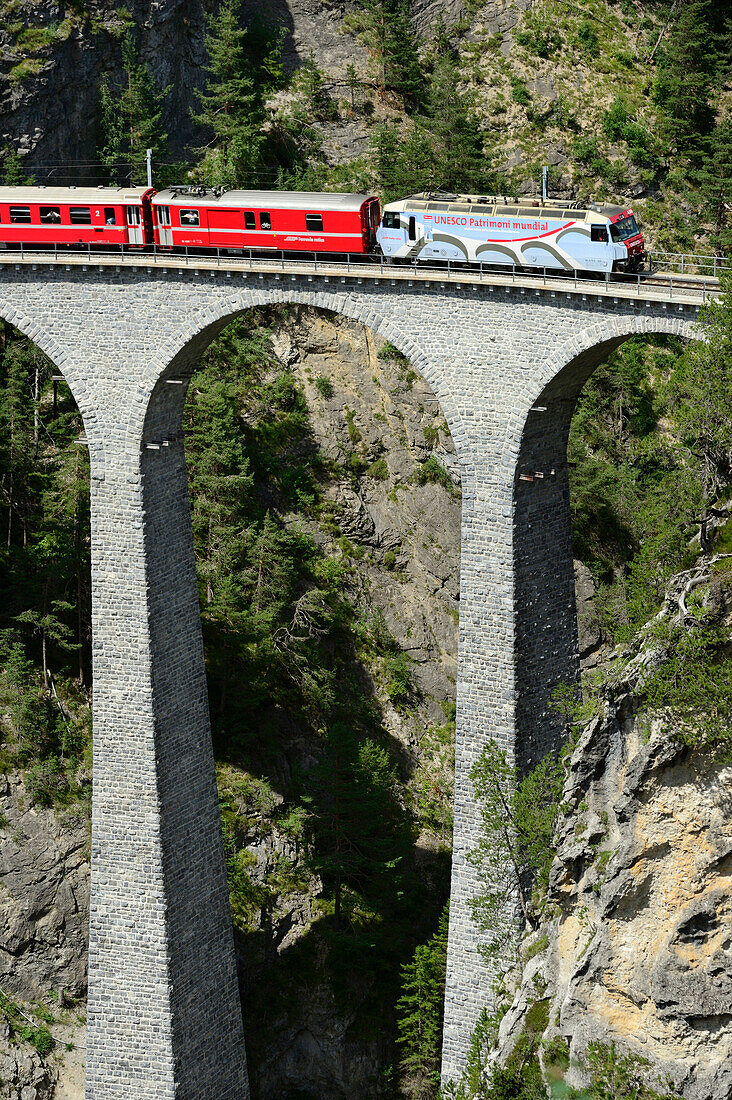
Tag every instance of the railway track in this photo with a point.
(689, 282)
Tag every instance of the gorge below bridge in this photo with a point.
(506, 358)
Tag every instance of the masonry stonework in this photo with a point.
(164, 1014)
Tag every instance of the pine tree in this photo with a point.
(703, 392)
(421, 1009)
(231, 108)
(515, 847)
(401, 67)
(13, 172)
(111, 143)
(457, 142)
(686, 75)
(130, 120)
(714, 178)
(356, 822)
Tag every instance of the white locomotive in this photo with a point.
(479, 229)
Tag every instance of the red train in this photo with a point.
(183, 217)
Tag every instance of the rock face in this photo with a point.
(384, 421)
(640, 938)
(51, 70)
(44, 902)
(23, 1074)
(44, 929)
(51, 111)
(588, 628)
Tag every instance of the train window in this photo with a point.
(133, 215)
(110, 215)
(506, 210)
(598, 233)
(249, 222)
(80, 215)
(314, 222)
(265, 221)
(390, 219)
(412, 229)
(20, 214)
(163, 215)
(50, 214)
(190, 217)
(625, 228)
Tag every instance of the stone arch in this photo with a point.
(178, 356)
(160, 419)
(79, 388)
(546, 614)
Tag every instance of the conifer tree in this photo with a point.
(355, 817)
(231, 108)
(421, 1009)
(703, 391)
(402, 70)
(686, 73)
(458, 147)
(130, 120)
(13, 172)
(715, 184)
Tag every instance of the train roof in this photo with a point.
(72, 194)
(270, 200)
(499, 204)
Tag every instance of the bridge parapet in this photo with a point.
(651, 287)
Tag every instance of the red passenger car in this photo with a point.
(289, 221)
(37, 217)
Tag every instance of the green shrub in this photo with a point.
(587, 35)
(378, 470)
(694, 681)
(390, 353)
(536, 948)
(519, 92)
(399, 684)
(46, 780)
(539, 34)
(434, 473)
(556, 1052)
(353, 433)
(324, 386)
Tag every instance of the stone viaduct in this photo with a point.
(506, 359)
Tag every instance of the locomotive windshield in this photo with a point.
(625, 228)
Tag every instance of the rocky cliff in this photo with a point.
(636, 945)
(52, 59)
(44, 928)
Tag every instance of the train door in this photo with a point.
(416, 230)
(369, 224)
(165, 232)
(134, 225)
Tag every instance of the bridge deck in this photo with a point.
(675, 290)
